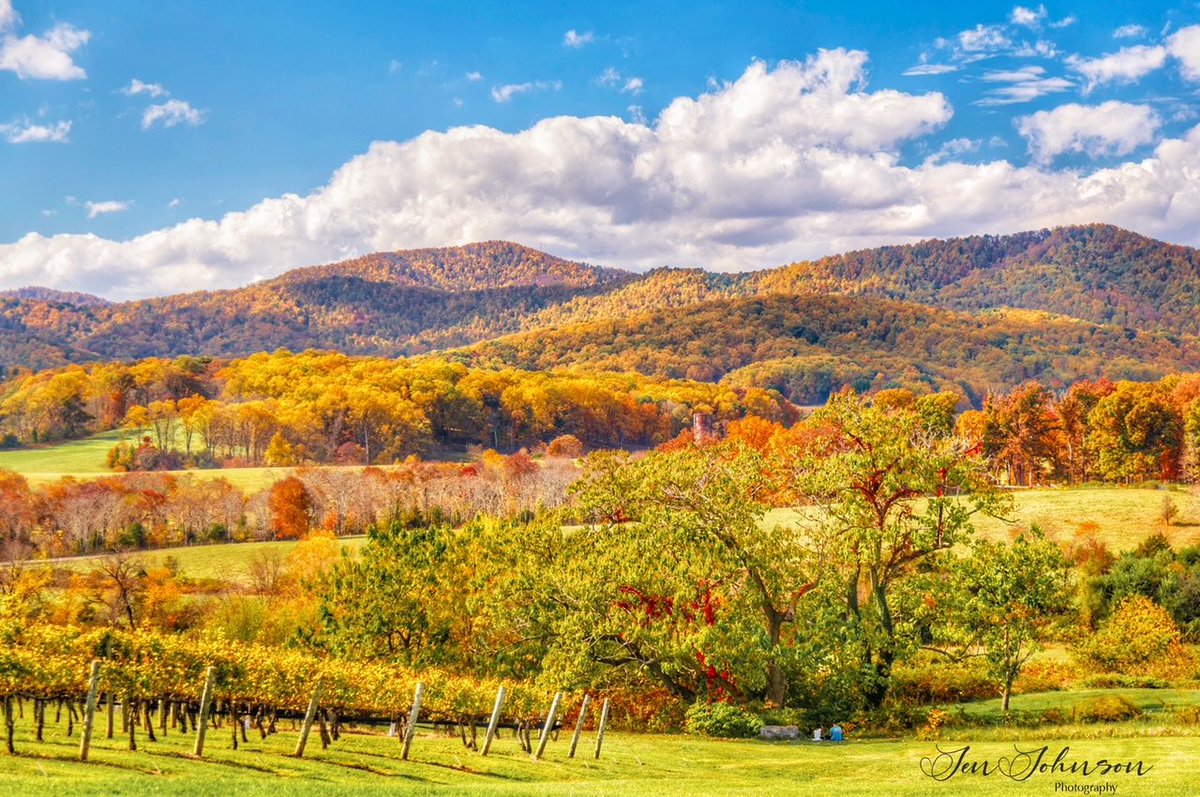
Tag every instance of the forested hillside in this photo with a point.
(386, 304)
(806, 346)
(1097, 272)
(933, 314)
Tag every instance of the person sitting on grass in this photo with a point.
(818, 733)
(835, 733)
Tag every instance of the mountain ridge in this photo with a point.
(455, 298)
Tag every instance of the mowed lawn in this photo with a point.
(1161, 702)
(84, 458)
(631, 764)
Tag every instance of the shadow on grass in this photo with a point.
(93, 761)
(180, 756)
(401, 762)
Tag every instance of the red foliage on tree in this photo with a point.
(291, 509)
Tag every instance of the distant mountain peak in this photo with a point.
(484, 265)
(37, 293)
(412, 301)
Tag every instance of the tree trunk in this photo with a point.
(148, 721)
(9, 725)
(1008, 687)
(882, 666)
(776, 680)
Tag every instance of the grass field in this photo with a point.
(1121, 516)
(226, 561)
(1124, 516)
(632, 764)
(78, 457)
(1151, 701)
(85, 459)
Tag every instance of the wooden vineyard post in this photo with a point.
(583, 710)
(205, 701)
(600, 729)
(89, 711)
(309, 717)
(494, 721)
(541, 748)
(411, 728)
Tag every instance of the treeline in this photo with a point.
(289, 409)
(1096, 431)
(154, 510)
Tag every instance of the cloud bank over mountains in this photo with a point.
(796, 160)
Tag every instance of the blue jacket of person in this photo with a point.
(835, 733)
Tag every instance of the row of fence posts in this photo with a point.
(310, 715)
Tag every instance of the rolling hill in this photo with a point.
(979, 311)
(807, 345)
(386, 304)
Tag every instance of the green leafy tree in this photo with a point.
(891, 497)
(1139, 638)
(386, 603)
(1007, 600)
(1137, 434)
(687, 581)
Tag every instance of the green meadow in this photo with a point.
(1120, 517)
(85, 459)
(223, 562)
(631, 764)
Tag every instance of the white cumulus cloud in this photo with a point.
(1110, 128)
(26, 132)
(105, 207)
(791, 161)
(8, 16)
(503, 94)
(1130, 32)
(1127, 65)
(46, 57)
(136, 87)
(1029, 17)
(576, 40)
(1184, 45)
(983, 38)
(170, 114)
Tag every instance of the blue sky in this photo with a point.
(151, 147)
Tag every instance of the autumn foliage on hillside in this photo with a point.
(807, 347)
(417, 301)
(290, 409)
